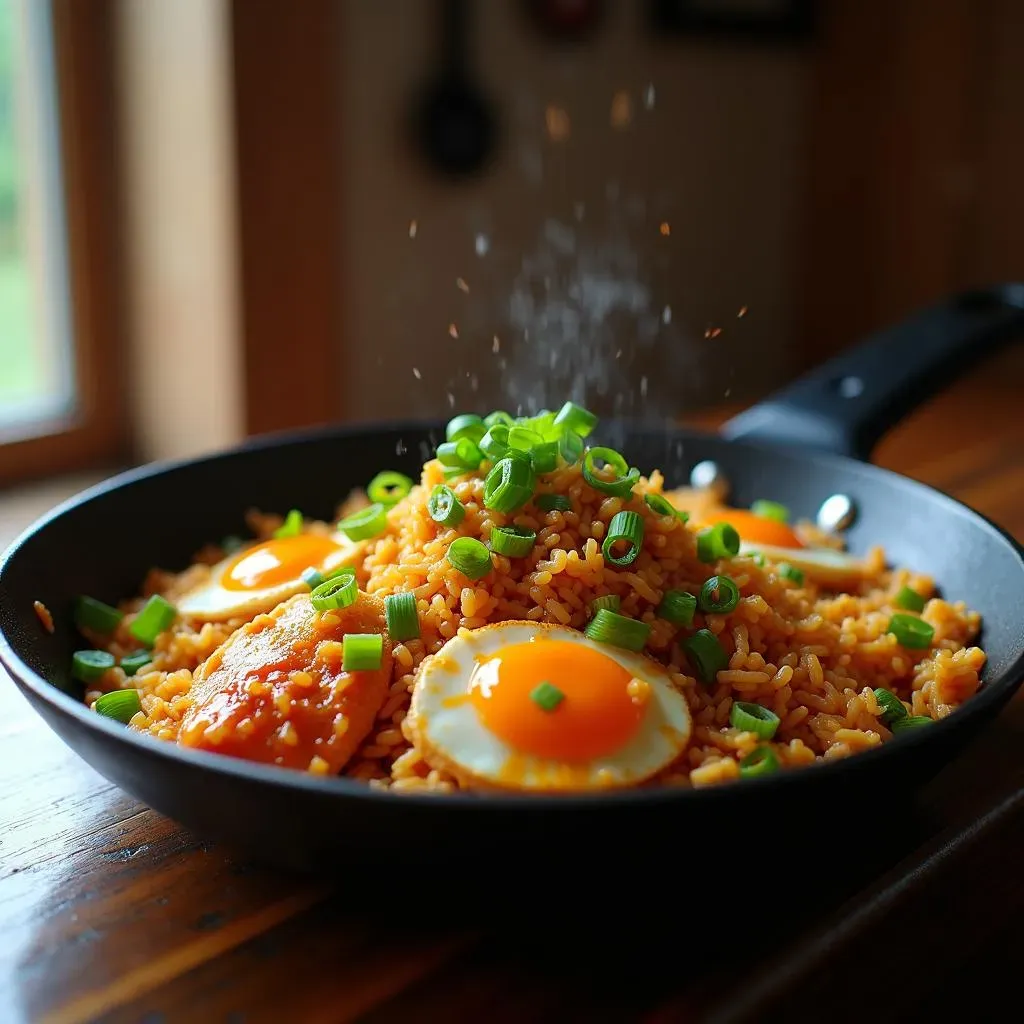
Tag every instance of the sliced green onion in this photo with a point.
(892, 707)
(312, 578)
(88, 666)
(292, 525)
(524, 439)
(718, 541)
(719, 595)
(791, 572)
(770, 510)
(231, 544)
(910, 722)
(757, 558)
(494, 444)
(544, 457)
(755, 718)
(454, 472)
(610, 602)
(628, 528)
(388, 487)
(910, 599)
(621, 485)
(608, 627)
(570, 447)
(661, 506)
(462, 454)
(761, 761)
(498, 417)
(444, 507)
(706, 654)
(97, 616)
(121, 705)
(677, 607)
(362, 652)
(509, 485)
(366, 523)
(153, 618)
(513, 541)
(338, 592)
(466, 425)
(553, 503)
(911, 631)
(400, 612)
(543, 424)
(470, 557)
(575, 418)
(546, 696)
(131, 663)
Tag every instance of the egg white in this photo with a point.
(209, 601)
(449, 734)
(826, 565)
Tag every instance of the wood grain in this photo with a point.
(109, 912)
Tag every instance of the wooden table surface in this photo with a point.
(110, 912)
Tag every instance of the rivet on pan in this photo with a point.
(837, 513)
(706, 474)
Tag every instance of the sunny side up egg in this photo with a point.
(260, 577)
(532, 706)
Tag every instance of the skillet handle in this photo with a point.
(849, 403)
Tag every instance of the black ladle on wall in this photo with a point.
(455, 126)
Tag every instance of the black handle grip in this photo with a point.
(848, 404)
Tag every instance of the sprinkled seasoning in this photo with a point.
(453, 331)
(649, 96)
(495, 345)
(460, 283)
(742, 312)
(416, 373)
(412, 229)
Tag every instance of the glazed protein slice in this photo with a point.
(277, 692)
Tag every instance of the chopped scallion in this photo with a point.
(96, 616)
(718, 541)
(608, 627)
(910, 722)
(546, 696)
(388, 487)
(625, 528)
(770, 510)
(910, 599)
(621, 484)
(153, 618)
(791, 573)
(610, 602)
(553, 502)
(509, 485)
(362, 652)
(661, 506)
(312, 577)
(891, 706)
(754, 718)
(402, 618)
(121, 705)
(498, 417)
(513, 541)
(339, 591)
(88, 666)
(719, 595)
(131, 663)
(570, 447)
(366, 523)
(292, 525)
(470, 557)
(494, 444)
(705, 654)
(462, 454)
(544, 457)
(677, 607)
(444, 507)
(577, 419)
(466, 425)
(761, 761)
(523, 439)
(911, 631)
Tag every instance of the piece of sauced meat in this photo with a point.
(275, 690)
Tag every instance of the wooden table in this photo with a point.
(110, 912)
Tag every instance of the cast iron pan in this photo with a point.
(103, 542)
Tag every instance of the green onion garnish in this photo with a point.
(292, 525)
(719, 595)
(770, 510)
(402, 618)
(120, 705)
(131, 663)
(470, 557)
(494, 444)
(312, 577)
(910, 722)
(628, 528)
(553, 503)
(362, 652)
(514, 541)
(608, 627)
(97, 616)
(610, 602)
(892, 707)
(757, 558)
(388, 487)
(546, 696)
(496, 417)
(509, 485)
(153, 618)
(462, 454)
(88, 666)
(910, 599)
(791, 572)
(366, 523)
(466, 425)
(761, 761)
(444, 507)
(661, 506)
(570, 447)
(718, 541)
(621, 485)
(677, 607)
(577, 419)
(911, 631)
(753, 718)
(544, 457)
(706, 654)
(523, 439)
(339, 591)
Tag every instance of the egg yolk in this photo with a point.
(595, 717)
(277, 561)
(756, 529)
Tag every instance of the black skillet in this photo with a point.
(103, 541)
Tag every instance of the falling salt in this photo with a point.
(666, 315)
(412, 229)
(474, 383)
(495, 345)
(460, 283)
(451, 400)
(618, 354)
(649, 96)
(400, 448)
(416, 373)
(742, 312)
(643, 387)
(482, 244)
(453, 331)
(578, 209)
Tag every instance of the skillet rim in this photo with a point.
(992, 693)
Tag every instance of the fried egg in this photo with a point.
(259, 578)
(532, 706)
